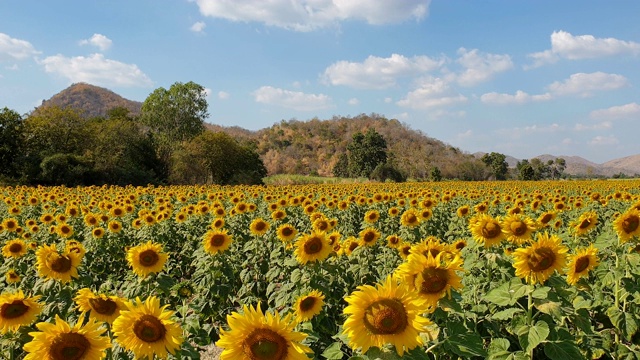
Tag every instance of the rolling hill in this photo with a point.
(91, 100)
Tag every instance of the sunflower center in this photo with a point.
(60, 263)
(15, 248)
(518, 228)
(541, 259)
(491, 230)
(394, 240)
(581, 264)
(313, 245)
(322, 225)
(287, 232)
(103, 306)
(433, 252)
(386, 317)
(217, 240)
(546, 218)
(412, 219)
(13, 310)
(149, 329)
(265, 344)
(148, 258)
(585, 224)
(69, 346)
(307, 303)
(353, 245)
(630, 224)
(434, 280)
(369, 237)
(261, 226)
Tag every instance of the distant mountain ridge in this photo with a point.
(313, 146)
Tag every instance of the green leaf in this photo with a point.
(376, 353)
(498, 349)
(333, 352)
(506, 314)
(562, 350)
(534, 335)
(624, 322)
(581, 303)
(507, 293)
(465, 345)
(549, 307)
(541, 293)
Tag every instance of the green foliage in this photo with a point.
(387, 172)
(497, 163)
(66, 169)
(11, 139)
(365, 152)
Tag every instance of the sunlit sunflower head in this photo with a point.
(627, 225)
(463, 211)
(76, 247)
(458, 245)
(393, 211)
(432, 278)
(97, 232)
(583, 261)
(17, 310)
(61, 341)
(216, 241)
(115, 226)
(146, 258)
(410, 218)
(404, 249)
(517, 228)
(10, 224)
(312, 247)
(100, 307)
(147, 329)
(254, 335)
(259, 227)
(54, 265)
(546, 218)
(349, 244)
(393, 241)
(309, 305)
(14, 249)
(371, 216)
(388, 313)
(486, 230)
(64, 230)
(321, 225)
(278, 214)
(481, 207)
(12, 277)
(585, 223)
(537, 262)
(369, 237)
(286, 233)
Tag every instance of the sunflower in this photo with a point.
(146, 258)
(64, 342)
(627, 225)
(309, 305)
(404, 249)
(393, 241)
(486, 230)
(429, 246)
(585, 223)
(17, 310)
(581, 263)
(463, 211)
(14, 248)
(388, 313)
(97, 232)
(432, 277)
(371, 216)
(100, 307)
(545, 218)
(216, 241)
(10, 224)
(254, 335)
(312, 247)
(517, 228)
(537, 262)
(259, 227)
(115, 226)
(278, 214)
(53, 265)
(286, 232)
(64, 230)
(350, 244)
(369, 237)
(410, 218)
(76, 247)
(12, 277)
(146, 328)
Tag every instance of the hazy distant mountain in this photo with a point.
(91, 100)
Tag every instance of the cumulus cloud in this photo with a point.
(567, 46)
(292, 99)
(520, 97)
(376, 72)
(599, 126)
(15, 49)
(198, 27)
(353, 101)
(604, 140)
(308, 15)
(97, 70)
(583, 84)
(628, 111)
(98, 40)
(431, 93)
(480, 67)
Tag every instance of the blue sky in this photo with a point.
(522, 78)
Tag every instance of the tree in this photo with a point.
(365, 153)
(525, 170)
(11, 140)
(385, 172)
(341, 168)
(435, 174)
(540, 169)
(557, 168)
(497, 163)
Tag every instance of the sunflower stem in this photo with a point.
(616, 294)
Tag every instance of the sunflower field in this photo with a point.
(445, 270)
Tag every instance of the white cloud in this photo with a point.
(353, 101)
(480, 67)
(198, 27)
(520, 97)
(15, 49)
(97, 70)
(98, 40)
(376, 72)
(223, 95)
(433, 92)
(599, 126)
(519, 132)
(292, 99)
(308, 15)
(465, 135)
(604, 140)
(584, 85)
(564, 45)
(628, 111)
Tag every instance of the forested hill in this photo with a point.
(313, 147)
(91, 101)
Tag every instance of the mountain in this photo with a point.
(91, 100)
